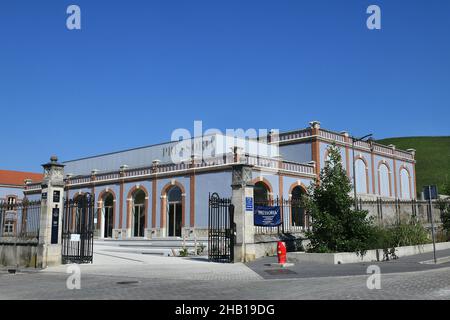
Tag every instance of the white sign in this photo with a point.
(75, 237)
(11, 215)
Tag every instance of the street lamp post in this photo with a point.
(354, 165)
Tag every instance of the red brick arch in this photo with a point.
(297, 184)
(266, 183)
(78, 194)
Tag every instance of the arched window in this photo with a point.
(81, 212)
(260, 193)
(405, 184)
(175, 211)
(361, 176)
(384, 183)
(297, 210)
(108, 215)
(139, 209)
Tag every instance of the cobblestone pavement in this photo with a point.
(177, 278)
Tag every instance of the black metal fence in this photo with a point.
(20, 220)
(393, 211)
(220, 229)
(78, 230)
(294, 217)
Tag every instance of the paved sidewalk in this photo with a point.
(141, 276)
(310, 270)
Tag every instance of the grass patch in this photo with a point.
(432, 156)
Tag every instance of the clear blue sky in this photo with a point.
(139, 69)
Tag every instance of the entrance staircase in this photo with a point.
(170, 246)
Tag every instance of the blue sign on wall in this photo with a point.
(267, 216)
(55, 225)
(430, 192)
(248, 204)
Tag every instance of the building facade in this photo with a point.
(144, 193)
(12, 187)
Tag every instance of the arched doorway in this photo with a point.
(108, 215)
(138, 214)
(81, 216)
(174, 211)
(297, 209)
(261, 193)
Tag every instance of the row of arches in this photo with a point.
(384, 175)
(262, 195)
(172, 210)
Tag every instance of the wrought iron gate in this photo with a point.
(78, 230)
(220, 229)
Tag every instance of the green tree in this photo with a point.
(336, 225)
(445, 216)
(446, 188)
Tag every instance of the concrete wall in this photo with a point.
(370, 256)
(26, 254)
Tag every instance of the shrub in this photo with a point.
(336, 225)
(184, 252)
(445, 216)
(398, 235)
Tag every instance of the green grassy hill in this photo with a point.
(432, 156)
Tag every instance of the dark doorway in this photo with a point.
(260, 193)
(108, 215)
(139, 213)
(175, 212)
(298, 212)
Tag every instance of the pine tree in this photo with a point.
(336, 225)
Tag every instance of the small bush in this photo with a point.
(201, 248)
(184, 252)
(445, 218)
(399, 235)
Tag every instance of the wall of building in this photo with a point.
(299, 152)
(219, 182)
(7, 191)
(205, 183)
(372, 188)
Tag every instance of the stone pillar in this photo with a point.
(242, 199)
(394, 170)
(315, 145)
(190, 230)
(52, 209)
(155, 163)
(347, 152)
(413, 154)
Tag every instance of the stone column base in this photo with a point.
(119, 234)
(48, 255)
(244, 253)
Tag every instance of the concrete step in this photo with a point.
(152, 251)
(154, 243)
